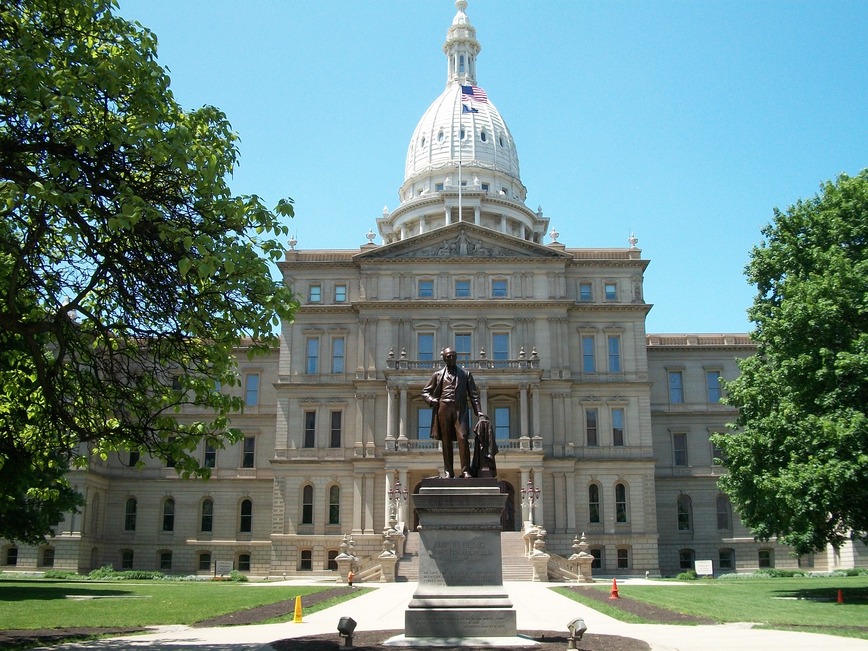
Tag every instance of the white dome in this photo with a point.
(485, 142)
(462, 164)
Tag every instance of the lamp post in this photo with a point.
(530, 494)
(397, 495)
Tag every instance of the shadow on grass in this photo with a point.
(48, 590)
(851, 595)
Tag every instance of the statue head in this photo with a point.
(449, 356)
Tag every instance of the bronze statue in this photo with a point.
(448, 392)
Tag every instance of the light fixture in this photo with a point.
(346, 626)
(577, 629)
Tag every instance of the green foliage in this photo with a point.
(128, 269)
(235, 575)
(108, 573)
(59, 574)
(798, 456)
(689, 575)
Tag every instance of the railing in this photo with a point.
(432, 445)
(522, 363)
(560, 568)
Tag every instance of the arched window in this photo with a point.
(766, 558)
(334, 505)
(206, 522)
(245, 521)
(724, 512)
(130, 515)
(620, 503)
(307, 504)
(594, 503)
(169, 514)
(684, 508)
(686, 558)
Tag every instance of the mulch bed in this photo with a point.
(642, 609)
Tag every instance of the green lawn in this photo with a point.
(30, 604)
(804, 604)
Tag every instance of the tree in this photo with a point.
(798, 459)
(128, 270)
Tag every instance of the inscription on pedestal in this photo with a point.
(470, 559)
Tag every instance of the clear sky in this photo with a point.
(684, 122)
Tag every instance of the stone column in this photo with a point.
(538, 511)
(390, 416)
(358, 503)
(402, 417)
(523, 415)
(571, 502)
(369, 481)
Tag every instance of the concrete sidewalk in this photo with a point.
(537, 608)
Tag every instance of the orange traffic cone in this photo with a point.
(840, 596)
(297, 618)
(614, 594)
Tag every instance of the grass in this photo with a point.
(35, 604)
(799, 604)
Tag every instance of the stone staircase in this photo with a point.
(408, 565)
(515, 565)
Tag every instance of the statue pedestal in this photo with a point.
(460, 591)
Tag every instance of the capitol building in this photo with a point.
(603, 429)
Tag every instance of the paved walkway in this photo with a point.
(537, 608)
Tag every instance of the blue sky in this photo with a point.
(684, 122)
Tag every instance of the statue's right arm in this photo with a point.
(429, 391)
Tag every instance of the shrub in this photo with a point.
(235, 575)
(58, 574)
(689, 575)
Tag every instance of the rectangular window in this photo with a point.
(127, 559)
(501, 423)
(306, 563)
(340, 293)
(423, 424)
(248, 452)
(766, 558)
(166, 560)
(134, 458)
(462, 346)
(169, 515)
(718, 458)
(251, 389)
(462, 289)
(243, 562)
(425, 288)
(12, 556)
(676, 387)
(204, 562)
(614, 354)
(589, 363)
(314, 294)
(335, 435)
(338, 344)
(210, 460)
(594, 503)
(591, 427)
(611, 291)
(597, 563)
(47, 557)
(679, 448)
(685, 559)
(623, 559)
(500, 342)
(310, 429)
(586, 293)
(620, 503)
(618, 427)
(499, 288)
(712, 385)
(438, 187)
(312, 360)
(725, 559)
(485, 187)
(425, 346)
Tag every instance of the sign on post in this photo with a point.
(704, 568)
(222, 568)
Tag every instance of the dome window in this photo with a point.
(423, 141)
(501, 141)
(461, 137)
(483, 136)
(440, 136)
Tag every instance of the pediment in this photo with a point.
(466, 241)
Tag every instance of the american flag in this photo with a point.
(473, 93)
